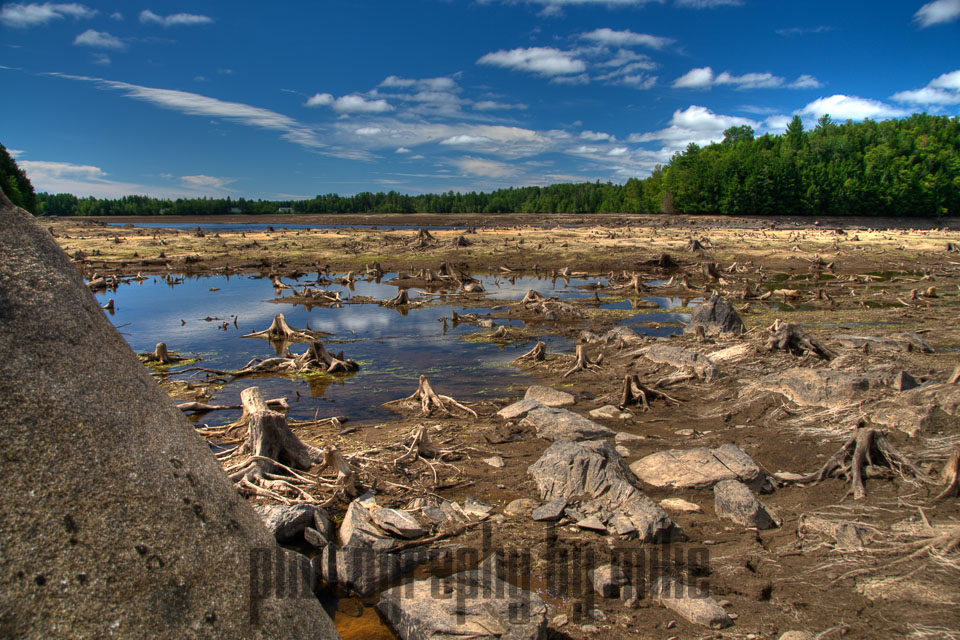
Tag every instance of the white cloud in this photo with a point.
(596, 136)
(701, 78)
(99, 40)
(89, 180)
(319, 100)
(201, 180)
(174, 19)
(583, 78)
(369, 131)
(116, 15)
(799, 31)
(21, 15)
(402, 150)
(694, 124)
(199, 105)
(626, 38)
(102, 59)
(617, 152)
(427, 84)
(485, 168)
(942, 90)
(466, 139)
(777, 123)
(545, 61)
(841, 107)
(707, 4)
(704, 78)
(359, 104)
(937, 12)
(490, 105)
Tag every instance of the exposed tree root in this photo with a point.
(584, 363)
(315, 358)
(279, 330)
(537, 354)
(786, 336)
(200, 407)
(866, 447)
(429, 401)
(160, 355)
(634, 392)
(950, 476)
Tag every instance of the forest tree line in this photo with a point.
(902, 167)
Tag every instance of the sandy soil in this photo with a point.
(858, 278)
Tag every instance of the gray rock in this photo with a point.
(115, 512)
(286, 521)
(521, 507)
(550, 397)
(474, 604)
(359, 529)
(622, 450)
(697, 468)
(324, 565)
(592, 523)
(623, 436)
(323, 523)
(607, 580)
(716, 316)
(630, 596)
(735, 501)
(846, 535)
(561, 424)
(519, 409)
(819, 387)
(595, 473)
(914, 410)
(678, 504)
(693, 605)
(550, 511)
(315, 538)
(363, 570)
(495, 461)
(477, 509)
(903, 381)
(396, 522)
(610, 412)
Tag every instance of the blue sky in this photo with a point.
(289, 100)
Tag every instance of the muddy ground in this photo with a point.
(831, 277)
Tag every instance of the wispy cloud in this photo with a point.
(613, 38)
(22, 15)
(205, 181)
(173, 20)
(348, 104)
(841, 107)
(937, 12)
(704, 78)
(99, 40)
(485, 168)
(544, 61)
(801, 31)
(199, 105)
(492, 105)
(101, 59)
(940, 91)
(89, 180)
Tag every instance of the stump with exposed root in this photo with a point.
(429, 401)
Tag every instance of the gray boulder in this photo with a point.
(397, 523)
(734, 500)
(363, 570)
(716, 316)
(698, 468)
(519, 409)
(550, 397)
(117, 518)
(474, 604)
(694, 605)
(561, 424)
(594, 473)
(359, 529)
(286, 522)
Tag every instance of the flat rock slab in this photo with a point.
(550, 397)
(396, 522)
(897, 342)
(519, 409)
(560, 424)
(820, 387)
(912, 411)
(846, 535)
(734, 500)
(610, 412)
(594, 473)
(471, 604)
(550, 511)
(359, 529)
(697, 468)
(521, 507)
(693, 605)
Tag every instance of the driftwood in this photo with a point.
(583, 362)
(786, 336)
(537, 354)
(200, 407)
(160, 355)
(429, 401)
(866, 447)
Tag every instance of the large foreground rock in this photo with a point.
(820, 387)
(698, 468)
(471, 604)
(594, 473)
(561, 424)
(117, 520)
(549, 397)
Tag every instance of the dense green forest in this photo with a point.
(14, 182)
(905, 167)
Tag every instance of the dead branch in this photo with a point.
(955, 376)
(200, 407)
(429, 401)
(346, 480)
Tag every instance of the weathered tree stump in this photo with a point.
(429, 401)
(279, 331)
(317, 357)
(537, 354)
(710, 271)
(785, 336)
(583, 363)
(634, 392)
(160, 355)
(400, 300)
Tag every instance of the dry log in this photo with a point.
(200, 407)
(785, 336)
(538, 353)
(583, 362)
(429, 401)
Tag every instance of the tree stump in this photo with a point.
(583, 362)
(160, 355)
(430, 401)
(786, 336)
(537, 354)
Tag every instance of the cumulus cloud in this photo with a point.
(99, 40)
(319, 100)
(704, 78)
(545, 61)
(693, 124)
(402, 150)
(937, 12)
(23, 15)
(348, 104)
(613, 38)
(841, 107)
(174, 19)
(940, 91)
